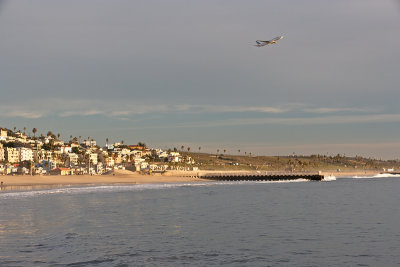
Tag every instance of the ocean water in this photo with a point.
(344, 222)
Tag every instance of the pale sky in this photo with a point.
(172, 73)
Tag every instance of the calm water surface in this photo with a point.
(347, 222)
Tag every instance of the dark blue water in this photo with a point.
(347, 222)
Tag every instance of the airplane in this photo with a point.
(261, 43)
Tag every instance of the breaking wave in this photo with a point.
(381, 175)
(329, 178)
(128, 188)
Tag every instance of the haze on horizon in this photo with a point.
(184, 73)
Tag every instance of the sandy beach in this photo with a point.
(117, 177)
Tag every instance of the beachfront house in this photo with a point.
(99, 168)
(158, 168)
(61, 171)
(140, 164)
(38, 170)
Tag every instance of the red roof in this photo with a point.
(62, 169)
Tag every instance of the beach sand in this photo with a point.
(116, 177)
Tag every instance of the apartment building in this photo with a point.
(25, 154)
(2, 154)
(11, 155)
(93, 158)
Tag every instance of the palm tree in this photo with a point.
(34, 130)
(107, 141)
(198, 158)
(15, 128)
(224, 151)
(122, 142)
(182, 147)
(141, 144)
(58, 136)
(24, 130)
(239, 151)
(188, 149)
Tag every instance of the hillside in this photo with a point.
(290, 163)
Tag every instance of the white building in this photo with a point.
(90, 143)
(25, 154)
(72, 159)
(44, 155)
(175, 157)
(66, 149)
(11, 155)
(109, 147)
(93, 157)
(137, 153)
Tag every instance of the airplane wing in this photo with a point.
(261, 42)
(277, 38)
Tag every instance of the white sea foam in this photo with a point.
(381, 175)
(94, 189)
(282, 181)
(329, 178)
(127, 188)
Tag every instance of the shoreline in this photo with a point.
(27, 182)
(20, 182)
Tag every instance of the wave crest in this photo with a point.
(127, 188)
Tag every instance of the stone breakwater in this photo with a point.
(262, 176)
